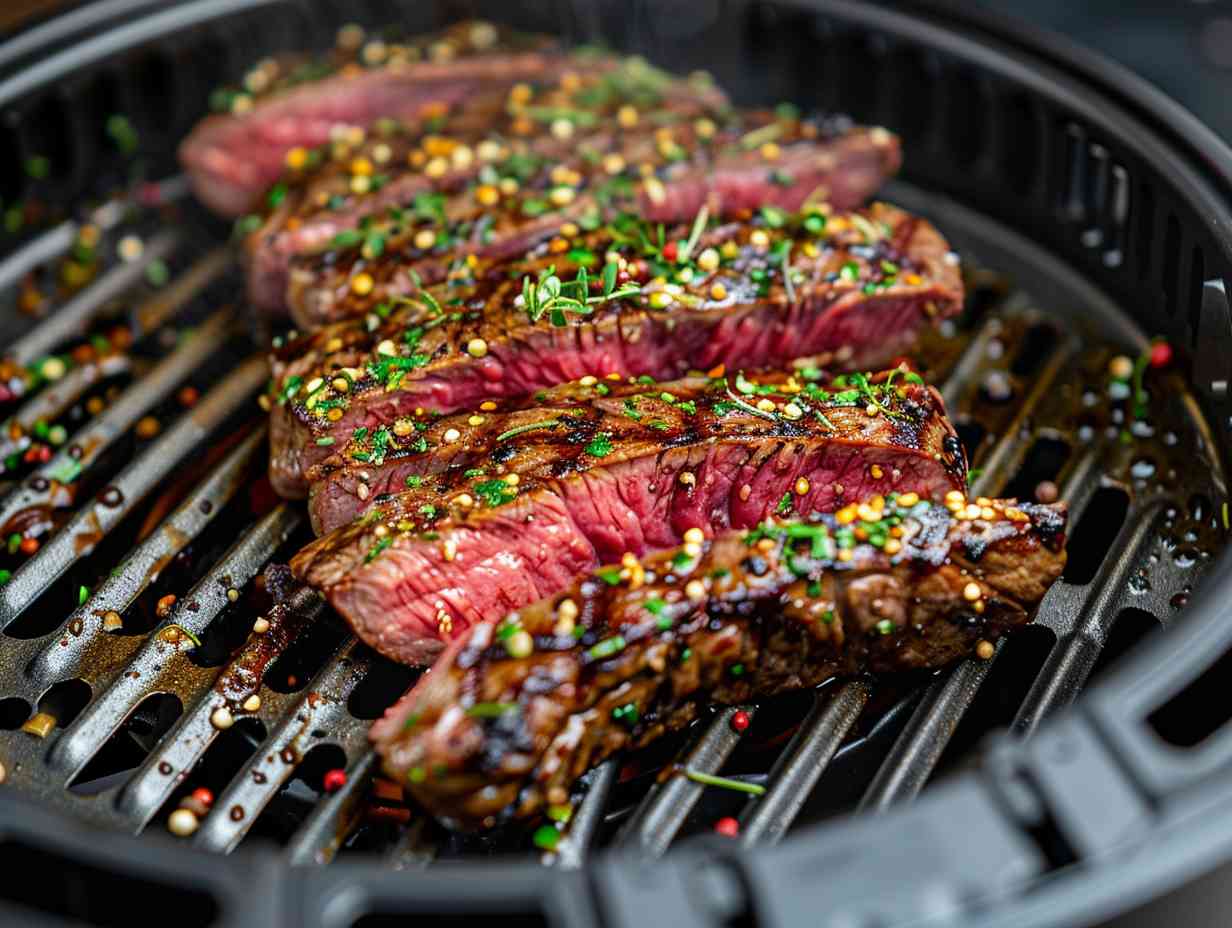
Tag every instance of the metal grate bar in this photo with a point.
(161, 664)
(661, 814)
(160, 307)
(1070, 662)
(53, 402)
(92, 523)
(919, 747)
(320, 836)
(72, 317)
(73, 651)
(54, 242)
(320, 717)
(801, 765)
(188, 740)
(571, 851)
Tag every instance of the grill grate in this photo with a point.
(1053, 364)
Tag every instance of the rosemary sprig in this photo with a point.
(529, 427)
(695, 234)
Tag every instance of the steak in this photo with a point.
(601, 422)
(513, 714)
(517, 515)
(581, 184)
(488, 147)
(859, 287)
(233, 156)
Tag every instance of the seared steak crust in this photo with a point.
(503, 149)
(513, 714)
(294, 102)
(509, 517)
(861, 285)
(603, 423)
(550, 182)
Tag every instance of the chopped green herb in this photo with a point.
(600, 445)
(607, 648)
(709, 779)
(490, 710)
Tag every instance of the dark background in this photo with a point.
(1183, 46)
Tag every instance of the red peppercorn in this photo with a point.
(727, 826)
(203, 796)
(1161, 354)
(740, 721)
(29, 546)
(669, 251)
(334, 780)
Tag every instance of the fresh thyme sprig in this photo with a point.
(551, 296)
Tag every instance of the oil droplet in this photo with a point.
(111, 497)
(237, 813)
(258, 777)
(1085, 433)
(1142, 469)
(1142, 429)
(1170, 439)
(165, 769)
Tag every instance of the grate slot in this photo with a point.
(801, 765)
(185, 744)
(321, 835)
(159, 308)
(572, 850)
(1074, 655)
(74, 653)
(161, 665)
(73, 316)
(92, 523)
(921, 744)
(322, 709)
(657, 819)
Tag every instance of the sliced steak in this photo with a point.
(233, 156)
(512, 714)
(861, 286)
(490, 146)
(603, 423)
(583, 184)
(566, 489)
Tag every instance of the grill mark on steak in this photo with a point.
(688, 171)
(605, 423)
(512, 715)
(498, 144)
(232, 157)
(462, 549)
(855, 303)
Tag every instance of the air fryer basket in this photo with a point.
(1091, 213)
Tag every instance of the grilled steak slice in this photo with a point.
(572, 428)
(582, 184)
(861, 286)
(232, 157)
(512, 715)
(563, 491)
(496, 141)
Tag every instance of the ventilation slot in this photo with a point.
(1073, 172)
(300, 662)
(1043, 461)
(1193, 304)
(385, 682)
(1037, 345)
(1145, 208)
(13, 713)
(130, 744)
(1198, 711)
(288, 808)
(1021, 129)
(1092, 540)
(914, 92)
(1096, 195)
(1118, 216)
(967, 118)
(1172, 261)
(64, 701)
(95, 895)
(1128, 628)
